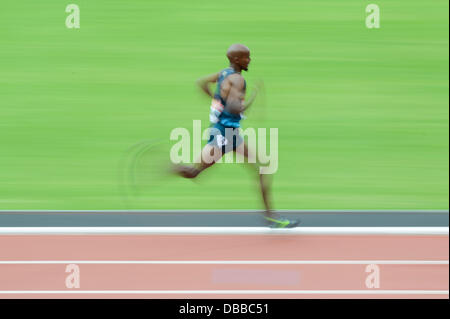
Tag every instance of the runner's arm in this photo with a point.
(251, 99)
(235, 99)
(234, 86)
(205, 81)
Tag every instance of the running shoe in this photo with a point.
(281, 222)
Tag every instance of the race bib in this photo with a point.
(221, 140)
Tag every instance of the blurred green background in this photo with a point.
(362, 113)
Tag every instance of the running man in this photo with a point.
(227, 110)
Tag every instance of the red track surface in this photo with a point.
(124, 278)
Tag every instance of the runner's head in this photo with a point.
(239, 55)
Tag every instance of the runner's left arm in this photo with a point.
(205, 81)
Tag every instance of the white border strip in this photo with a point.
(234, 292)
(223, 231)
(227, 262)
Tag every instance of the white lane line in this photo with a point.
(431, 231)
(237, 292)
(226, 262)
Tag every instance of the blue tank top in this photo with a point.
(227, 119)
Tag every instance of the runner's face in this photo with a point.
(244, 60)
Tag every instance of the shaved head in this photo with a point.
(239, 57)
(236, 50)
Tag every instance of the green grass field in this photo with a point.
(362, 113)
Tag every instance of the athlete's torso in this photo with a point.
(227, 118)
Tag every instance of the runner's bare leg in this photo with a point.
(264, 182)
(209, 156)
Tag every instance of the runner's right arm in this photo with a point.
(258, 86)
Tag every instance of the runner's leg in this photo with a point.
(208, 157)
(272, 217)
(264, 182)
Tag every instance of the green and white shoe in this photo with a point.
(281, 222)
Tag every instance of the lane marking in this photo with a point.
(227, 262)
(236, 292)
(244, 211)
(430, 231)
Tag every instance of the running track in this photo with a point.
(370, 255)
